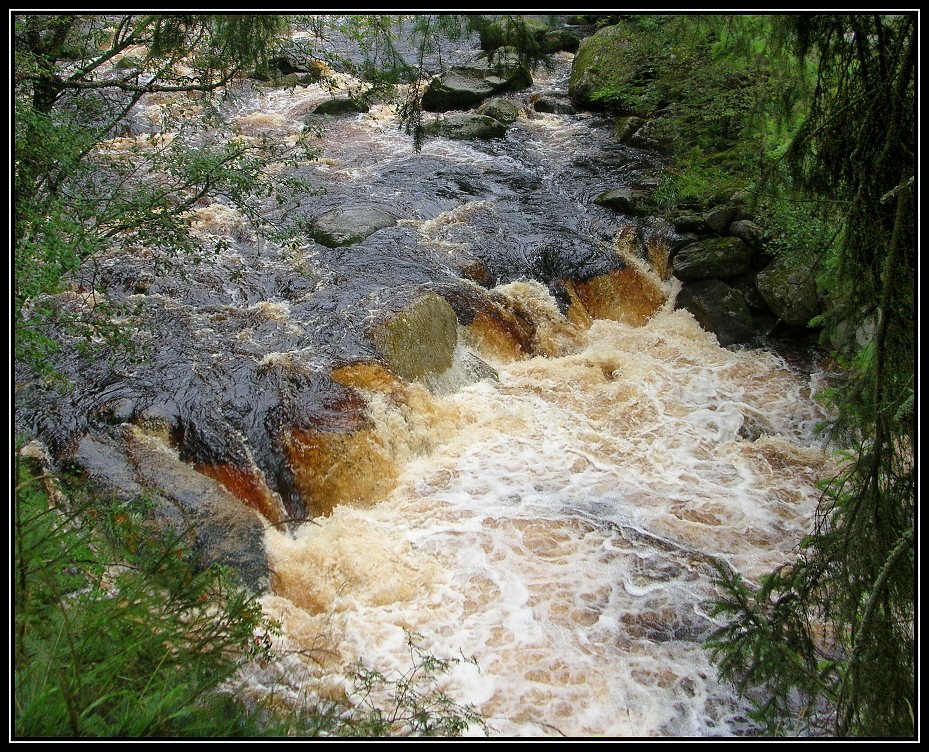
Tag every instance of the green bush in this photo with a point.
(117, 633)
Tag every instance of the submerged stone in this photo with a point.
(350, 225)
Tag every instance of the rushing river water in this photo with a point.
(557, 522)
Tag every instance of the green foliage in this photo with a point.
(792, 681)
(835, 632)
(82, 189)
(117, 633)
(408, 705)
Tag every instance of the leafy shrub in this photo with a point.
(117, 633)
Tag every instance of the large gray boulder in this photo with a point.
(141, 472)
(501, 110)
(789, 288)
(349, 225)
(719, 309)
(714, 258)
(464, 87)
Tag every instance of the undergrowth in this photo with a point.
(118, 633)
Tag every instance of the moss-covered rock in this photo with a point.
(715, 258)
(789, 288)
(604, 62)
(340, 106)
(502, 110)
(466, 126)
(420, 340)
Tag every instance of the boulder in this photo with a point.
(350, 225)
(464, 87)
(717, 258)
(419, 341)
(626, 201)
(218, 527)
(719, 309)
(721, 218)
(691, 223)
(559, 40)
(603, 63)
(340, 106)
(747, 231)
(554, 105)
(789, 288)
(502, 110)
(465, 126)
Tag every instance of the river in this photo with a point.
(551, 526)
(556, 524)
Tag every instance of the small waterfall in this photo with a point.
(559, 530)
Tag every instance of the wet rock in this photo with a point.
(464, 87)
(340, 106)
(789, 288)
(554, 105)
(420, 340)
(142, 473)
(718, 308)
(288, 81)
(626, 201)
(467, 126)
(499, 109)
(718, 258)
(350, 225)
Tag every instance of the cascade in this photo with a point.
(557, 522)
(551, 503)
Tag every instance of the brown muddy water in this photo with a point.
(553, 516)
